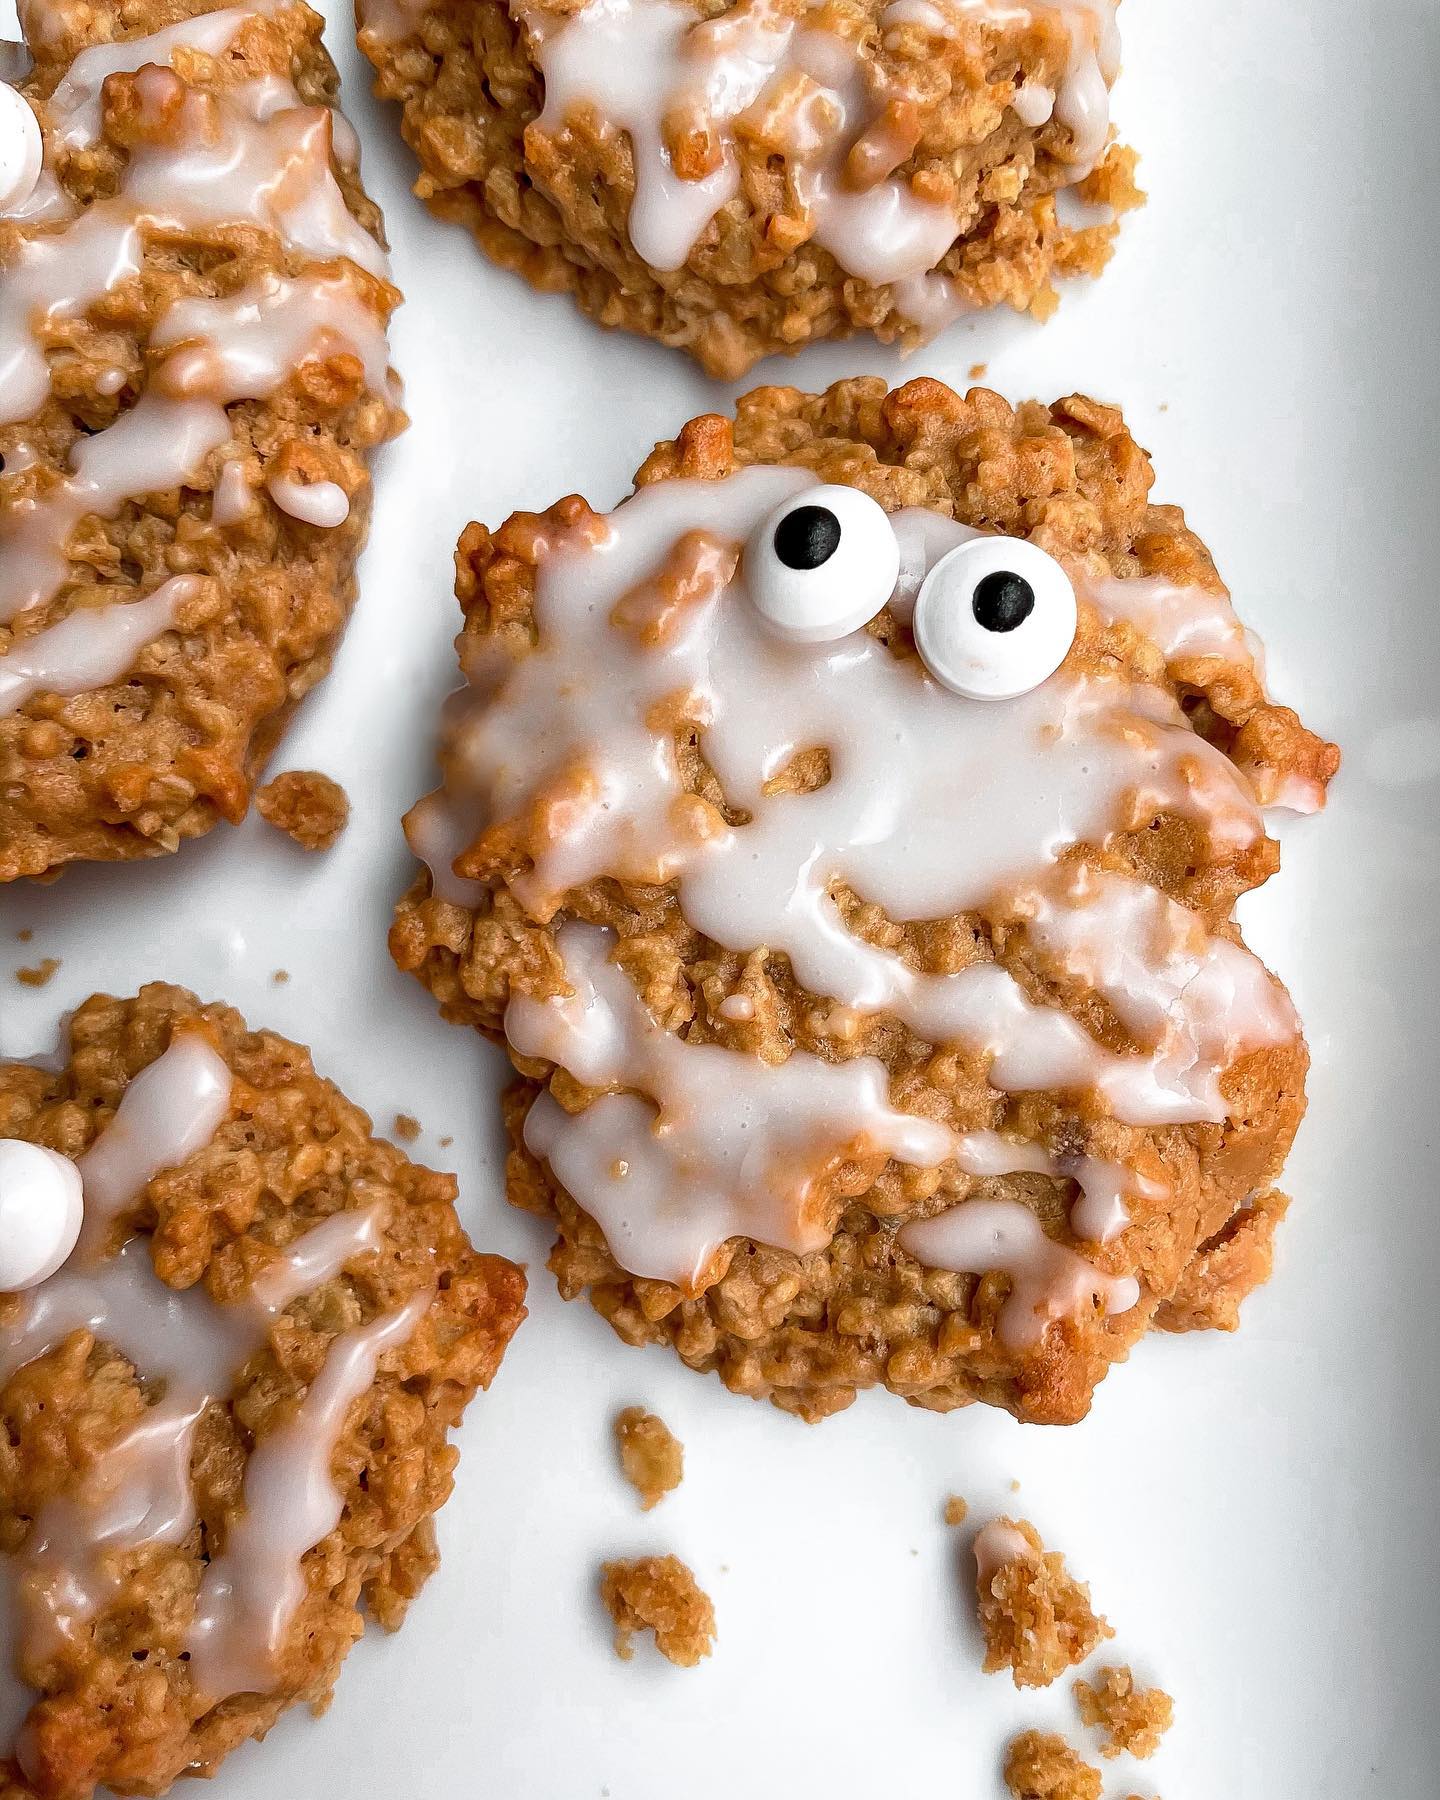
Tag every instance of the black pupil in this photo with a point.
(807, 537)
(1003, 600)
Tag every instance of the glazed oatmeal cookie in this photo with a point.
(245, 1330)
(193, 375)
(737, 177)
(843, 835)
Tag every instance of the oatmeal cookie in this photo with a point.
(193, 375)
(738, 177)
(224, 1419)
(843, 835)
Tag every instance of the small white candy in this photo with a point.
(822, 565)
(994, 618)
(41, 1206)
(22, 151)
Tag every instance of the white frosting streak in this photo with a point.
(170, 1110)
(91, 647)
(711, 1143)
(1048, 1280)
(253, 1589)
(1182, 622)
(1102, 1211)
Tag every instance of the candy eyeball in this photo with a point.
(822, 565)
(994, 618)
(22, 151)
(41, 1208)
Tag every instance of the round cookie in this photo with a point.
(193, 375)
(225, 1418)
(868, 1033)
(740, 177)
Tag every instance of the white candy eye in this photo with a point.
(995, 618)
(41, 1206)
(822, 565)
(21, 150)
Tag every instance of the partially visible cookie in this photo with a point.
(193, 375)
(224, 1420)
(738, 177)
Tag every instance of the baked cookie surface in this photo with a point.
(193, 374)
(739, 177)
(869, 1032)
(224, 1419)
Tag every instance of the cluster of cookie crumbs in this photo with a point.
(1035, 1616)
(659, 1594)
(1133, 1719)
(307, 806)
(652, 1458)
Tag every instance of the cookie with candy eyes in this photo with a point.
(741, 177)
(235, 1332)
(193, 375)
(843, 835)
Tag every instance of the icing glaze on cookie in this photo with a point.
(654, 70)
(196, 1349)
(561, 767)
(88, 652)
(251, 153)
(1048, 1280)
(997, 1543)
(670, 1175)
(1102, 1211)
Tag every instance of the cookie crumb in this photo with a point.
(977, 371)
(24, 934)
(280, 977)
(407, 1127)
(1041, 1766)
(659, 1594)
(652, 1458)
(446, 1142)
(1227, 1269)
(40, 974)
(1036, 1618)
(1133, 1719)
(957, 1511)
(307, 806)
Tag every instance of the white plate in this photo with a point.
(1255, 1514)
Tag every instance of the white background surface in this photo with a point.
(1256, 1515)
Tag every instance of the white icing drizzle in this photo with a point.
(1049, 1281)
(233, 497)
(252, 1590)
(244, 347)
(323, 503)
(89, 649)
(170, 1110)
(1201, 1002)
(74, 107)
(251, 153)
(1180, 621)
(1102, 1211)
(139, 1492)
(996, 1544)
(668, 1174)
(641, 65)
